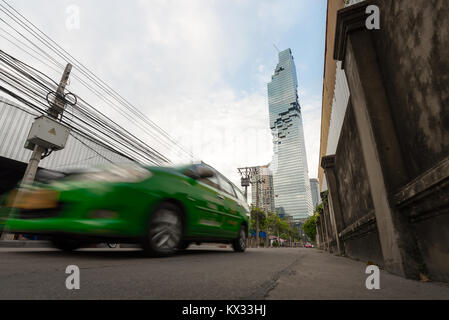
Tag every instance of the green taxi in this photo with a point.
(164, 209)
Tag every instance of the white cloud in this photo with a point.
(174, 61)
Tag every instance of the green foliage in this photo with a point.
(324, 196)
(258, 213)
(319, 209)
(309, 226)
(273, 225)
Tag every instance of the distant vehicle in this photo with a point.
(308, 245)
(162, 208)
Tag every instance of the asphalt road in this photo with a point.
(204, 272)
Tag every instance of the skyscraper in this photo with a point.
(315, 189)
(262, 194)
(290, 172)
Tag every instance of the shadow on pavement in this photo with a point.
(114, 254)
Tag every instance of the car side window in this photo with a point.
(211, 181)
(226, 186)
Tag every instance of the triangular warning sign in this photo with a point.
(52, 131)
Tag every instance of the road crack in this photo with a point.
(263, 291)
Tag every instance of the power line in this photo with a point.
(98, 82)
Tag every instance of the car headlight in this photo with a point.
(33, 199)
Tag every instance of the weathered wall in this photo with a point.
(354, 191)
(412, 47)
(362, 242)
(399, 83)
(413, 50)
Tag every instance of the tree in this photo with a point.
(258, 213)
(281, 228)
(309, 226)
(258, 220)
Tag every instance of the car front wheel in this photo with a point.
(164, 233)
(239, 244)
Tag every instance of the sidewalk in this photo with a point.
(320, 275)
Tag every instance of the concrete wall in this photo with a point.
(413, 51)
(361, 242)
(355, 194)
(391, 172)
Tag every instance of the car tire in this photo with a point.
(66, 245)
(239, 244)
(164, 232)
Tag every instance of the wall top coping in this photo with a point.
(349, 19)
(432, 178)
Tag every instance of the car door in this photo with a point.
(209, 205)
(231, 217)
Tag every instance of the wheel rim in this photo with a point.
(242, 239)
(166, 230)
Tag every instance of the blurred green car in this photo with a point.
(163, 209)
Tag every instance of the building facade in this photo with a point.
(290, 171)
(262, 193)
(315, 189)
(385, 142)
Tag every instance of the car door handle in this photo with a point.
(220, 196)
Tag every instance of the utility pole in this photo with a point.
(56, 109)
(247, 173)
(256, 173)
(258, 181)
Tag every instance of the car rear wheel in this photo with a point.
(239, 244)
(65, 244)
(164, 233)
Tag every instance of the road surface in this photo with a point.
(202, 272)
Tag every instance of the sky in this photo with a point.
(197, 68)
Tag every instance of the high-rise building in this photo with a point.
(315, 189)
(262, 194)
(290, 172)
